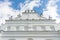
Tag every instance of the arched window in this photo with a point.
(48, 39)
(30, 39)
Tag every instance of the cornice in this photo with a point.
(31, 32)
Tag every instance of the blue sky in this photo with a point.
(58, 8)
(13, 7)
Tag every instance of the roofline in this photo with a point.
(44, 32)
(32, 20)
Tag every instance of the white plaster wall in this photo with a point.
(26, 38)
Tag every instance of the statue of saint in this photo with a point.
(10, 18)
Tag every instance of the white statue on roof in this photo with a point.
(30, 14)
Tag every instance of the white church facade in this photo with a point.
(29, 26)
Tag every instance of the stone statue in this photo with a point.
(10, 18)
(50, 17)
(18, 15)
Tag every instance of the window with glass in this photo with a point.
(8, 28)
(21, 28)
(43, 28)
(26, 28)
(52, 28)
(38, 28)
(17, 28)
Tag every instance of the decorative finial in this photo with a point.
(50, 17)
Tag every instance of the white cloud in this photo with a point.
(51, 10)
(5, 10)
(30, 6)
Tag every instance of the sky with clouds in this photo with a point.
(14, 7)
